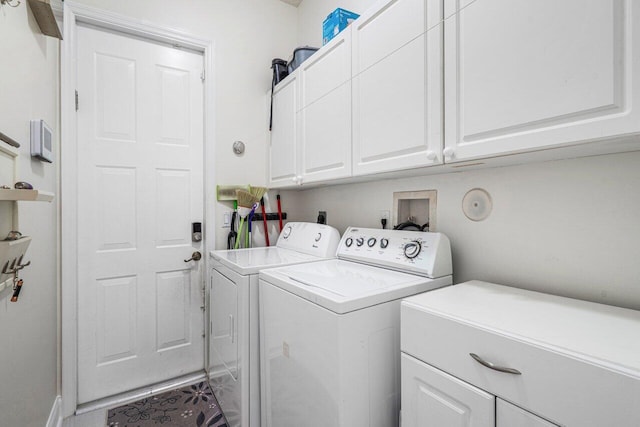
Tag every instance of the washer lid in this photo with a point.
(344, 286)
(251, 260)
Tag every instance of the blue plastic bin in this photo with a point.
(337, 21)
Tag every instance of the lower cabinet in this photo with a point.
(508, 415)
(431, 397)
(482, 354)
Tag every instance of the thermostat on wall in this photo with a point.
(41, 141)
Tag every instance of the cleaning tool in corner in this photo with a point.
(231, 237)
(264, 221)
(246, 202)
(257, 192)
(279, 211)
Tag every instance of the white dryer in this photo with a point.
(233, 301)
(330, 331)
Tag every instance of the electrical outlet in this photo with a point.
(384, 218)
(322, 217)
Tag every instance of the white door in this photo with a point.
(529, 75)
(508, 415)
(397, 87)
(140, 137)
(283, 155)
(431, 397)
(325, 118)
(224, 325)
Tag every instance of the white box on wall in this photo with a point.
(41, 141)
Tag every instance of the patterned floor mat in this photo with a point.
(192, 405)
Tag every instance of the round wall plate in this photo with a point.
(477, 204)
(238, 147)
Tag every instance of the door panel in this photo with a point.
(224, 324)
(509, 415)
(433, 397)
(140, 146)
(533, 75)
(283, 159)
(325, 136)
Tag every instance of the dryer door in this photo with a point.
(224, 324)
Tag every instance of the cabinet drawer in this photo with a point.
(567, 388)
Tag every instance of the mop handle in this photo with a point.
(239, 233)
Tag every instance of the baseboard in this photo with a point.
(55, 416)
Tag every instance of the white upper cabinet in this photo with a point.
(283, 151)
(325, 117)
(397, 86)
(525, 75)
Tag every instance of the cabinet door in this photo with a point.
(325, 118)
(431, 397)
(224, 324)
(397, 87)
(508, 415)
(283, 153)
(529, 75)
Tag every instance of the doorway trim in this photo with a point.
(74, 14)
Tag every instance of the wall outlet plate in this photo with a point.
(322, 217)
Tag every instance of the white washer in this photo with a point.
(234, 349)
(330, 330)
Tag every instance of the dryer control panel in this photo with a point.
(417, 252)
(314, 239)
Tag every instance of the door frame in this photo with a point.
(74, 14)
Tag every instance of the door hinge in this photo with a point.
(202, 76)
(76, 100)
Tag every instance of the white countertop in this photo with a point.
(602, 334)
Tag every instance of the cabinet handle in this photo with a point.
(490, 365)
(448, 152)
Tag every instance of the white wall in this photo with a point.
(566, 227)
(247, 35)
(29, 332)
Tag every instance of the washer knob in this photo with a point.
(286, 232)
(360, 241)
(318, 237)
(348, 242)
(384, 243)
(412, 249)
(371, 242)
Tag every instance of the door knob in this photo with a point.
(196, 256)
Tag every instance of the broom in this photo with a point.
(246, 203)
(257, 192)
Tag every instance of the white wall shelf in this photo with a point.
(28, 195)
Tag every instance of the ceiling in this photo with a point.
(292, 2)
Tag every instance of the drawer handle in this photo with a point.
(490, 365)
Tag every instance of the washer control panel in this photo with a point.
(417, 252)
